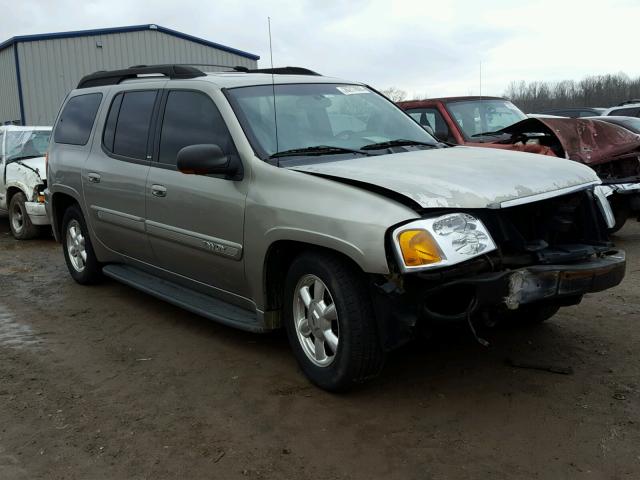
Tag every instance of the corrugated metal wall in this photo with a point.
(9, 104)
(51, 68)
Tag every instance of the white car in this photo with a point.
(23, 178)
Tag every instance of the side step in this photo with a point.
(196, 302)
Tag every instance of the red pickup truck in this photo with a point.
(497, 123)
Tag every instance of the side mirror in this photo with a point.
(205, 159)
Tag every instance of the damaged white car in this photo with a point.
(23, 178)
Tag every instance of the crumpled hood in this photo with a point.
(459, 177)
(584, 140)
(38, 164)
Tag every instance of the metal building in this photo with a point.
(37, 71)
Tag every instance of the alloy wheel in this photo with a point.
(316, 320)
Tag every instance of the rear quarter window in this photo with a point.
(77, 118)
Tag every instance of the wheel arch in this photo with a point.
(278, 258)
(12, 190)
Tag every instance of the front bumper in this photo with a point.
(399, 309)
(37, 213)
(537, 283)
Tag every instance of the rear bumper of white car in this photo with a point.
(37, 213)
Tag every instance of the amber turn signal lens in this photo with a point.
(418, 248)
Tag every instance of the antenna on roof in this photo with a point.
(273, 86)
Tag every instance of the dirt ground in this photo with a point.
(108, 383)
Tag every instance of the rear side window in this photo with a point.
(126, 131)
(191, 118)
(76, 119)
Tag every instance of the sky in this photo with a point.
(423, 47)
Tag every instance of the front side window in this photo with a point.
(476, 117)
(127, 126)
(310, 115)
(25, 144)
(191, 118)
(76, 120)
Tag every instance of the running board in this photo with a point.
(195, 302)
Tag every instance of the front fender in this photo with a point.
(23, 179)
(321, 240)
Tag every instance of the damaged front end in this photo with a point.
(549, 252)
(612, 151)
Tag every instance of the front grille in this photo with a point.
(560, 229)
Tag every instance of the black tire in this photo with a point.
(92, 271)
(359, 355)
(621, 213)
(534, 314)
(19, 221)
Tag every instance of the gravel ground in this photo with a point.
(108, 383)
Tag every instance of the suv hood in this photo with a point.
(38, 164)
(459, 177)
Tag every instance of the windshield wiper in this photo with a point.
(317, 150)
(400, 142)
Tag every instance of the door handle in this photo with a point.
(93, 177)
(158, 190)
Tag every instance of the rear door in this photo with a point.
(195, 222)
(114, 177)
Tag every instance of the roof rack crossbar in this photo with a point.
(113, 77)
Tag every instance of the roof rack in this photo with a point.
(279, 71)
(113, 77)
(627, 102)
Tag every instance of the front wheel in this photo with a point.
(330, 322)
(19, 221)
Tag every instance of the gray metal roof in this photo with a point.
(233, 79)
(131, 28)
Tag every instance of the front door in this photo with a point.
(195, 222)
(115, 174)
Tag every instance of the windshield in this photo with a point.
(482, 116)
(27, 144)
(329, 115)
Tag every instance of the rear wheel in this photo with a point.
(330, 322)
(19, 221)
(78, 250)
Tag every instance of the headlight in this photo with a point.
(441, 241)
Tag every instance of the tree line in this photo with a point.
(593, 91)
(531, 97)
